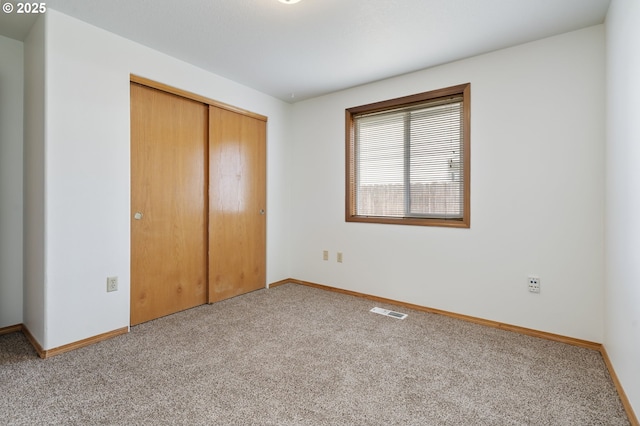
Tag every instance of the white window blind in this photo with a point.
(408, 161)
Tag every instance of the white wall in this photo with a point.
(34, 286)
(622, 309)
(537, 191)
(11, 112)
(87, 170)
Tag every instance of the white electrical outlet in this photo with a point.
(534, 284)
(112, 284)
(325, 255)
(339, 257)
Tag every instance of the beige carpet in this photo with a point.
(295, 355)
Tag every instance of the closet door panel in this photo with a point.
(237, 204)
(169, 143)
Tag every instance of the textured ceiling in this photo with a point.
(320, 46)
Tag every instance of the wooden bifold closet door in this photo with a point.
(198, 220)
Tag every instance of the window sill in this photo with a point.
(446, 223)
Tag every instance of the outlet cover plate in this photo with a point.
(112, 284)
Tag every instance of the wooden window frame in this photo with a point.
(350, 113)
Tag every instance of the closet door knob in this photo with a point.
(261, 211)
(137, 216)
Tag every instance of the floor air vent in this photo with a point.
(392, 314)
